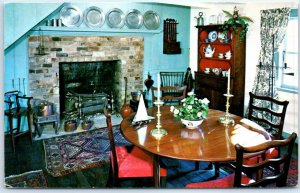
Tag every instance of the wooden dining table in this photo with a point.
(212, 141)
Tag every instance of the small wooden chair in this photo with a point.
(169, 95)
(128, 161)
(271, 116)
(172, 78)
(17, 107)
(239, 179)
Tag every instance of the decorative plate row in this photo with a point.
(94, 17)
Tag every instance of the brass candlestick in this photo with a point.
(226, 119)
(158, 132)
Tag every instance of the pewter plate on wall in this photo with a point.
(71, 16)
(93, 17)
(134, 19)
(115, 18)
(151, 20)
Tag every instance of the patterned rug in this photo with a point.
(71, 153)
(32, 179)
(292, 179)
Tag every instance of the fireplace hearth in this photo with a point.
(45, 75)
(84, 86)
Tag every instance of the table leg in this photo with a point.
(156, 171)
(55, 126)
(37, 126)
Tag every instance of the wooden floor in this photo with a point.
(30, 157)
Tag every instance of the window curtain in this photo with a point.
(273, 28)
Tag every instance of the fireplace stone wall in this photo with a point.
(44, 69)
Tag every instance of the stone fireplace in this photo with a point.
(122, 55)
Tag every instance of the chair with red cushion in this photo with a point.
(269, 113)
(129, 161)
(239, 179)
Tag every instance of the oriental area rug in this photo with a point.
(71, 153)
(292, 179)
(32, 179)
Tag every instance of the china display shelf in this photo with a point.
(80, 29)
(216, 43)
(212, 86)
(218, 59)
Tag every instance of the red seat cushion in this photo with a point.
(226, 182)
(137, 163)
(271, 153)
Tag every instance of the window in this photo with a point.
(286, 61)
(286, 58)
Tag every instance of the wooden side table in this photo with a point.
(39, 120)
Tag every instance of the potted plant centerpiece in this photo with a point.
(192, 112)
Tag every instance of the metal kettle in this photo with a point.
(200, 19)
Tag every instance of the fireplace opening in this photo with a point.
(84, 87)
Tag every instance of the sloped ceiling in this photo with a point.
(31, 14)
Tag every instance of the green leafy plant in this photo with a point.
(236, 20)
(192, 108)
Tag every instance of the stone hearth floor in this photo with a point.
(99, 122)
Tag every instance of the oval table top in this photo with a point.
(211, 141)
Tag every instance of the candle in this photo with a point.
(228, 82)
(158, 87)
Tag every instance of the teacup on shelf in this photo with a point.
(206, 71)
(220, 56)
(224, 73)
(228, 57)
(217, 71)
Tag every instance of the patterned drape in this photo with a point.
(273, 28)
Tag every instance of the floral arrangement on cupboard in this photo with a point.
(236, 20)
(192, 109)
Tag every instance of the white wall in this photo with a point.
(251, 10)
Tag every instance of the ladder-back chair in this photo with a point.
(17, 107)
(239, 179)
(128, 161)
